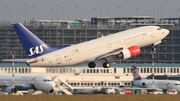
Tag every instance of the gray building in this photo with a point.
(66, 33)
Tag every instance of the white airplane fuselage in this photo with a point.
(160, 84)
(90, 50)
(25, 82)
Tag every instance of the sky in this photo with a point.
(21, 10)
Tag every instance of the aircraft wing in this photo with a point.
(111, 53)
(15, 60)
(3, 84)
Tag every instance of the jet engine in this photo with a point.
(10, 89)
(51, 91)
(140, 84)
(129, 52)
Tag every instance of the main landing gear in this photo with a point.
(105, 64)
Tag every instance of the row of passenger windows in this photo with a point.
(76, 51)
(110, 84)
(156, 70)
(133, 37)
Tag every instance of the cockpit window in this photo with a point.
(159, 28)
(46, 80)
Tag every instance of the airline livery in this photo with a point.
(26, 82)
(124, 45)
(158, 84)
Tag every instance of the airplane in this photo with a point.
(124, 45)
(148, 83)
(26, 82)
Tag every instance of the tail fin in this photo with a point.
(33, 46)
(135, 73)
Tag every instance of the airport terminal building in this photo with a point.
(65, 33)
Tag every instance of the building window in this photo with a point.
(164, 70)
(147, 70)
(157, 70)
(171, 71)
(124, 70)
(175, 70)
(144, 70)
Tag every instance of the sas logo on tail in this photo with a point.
(36, 50)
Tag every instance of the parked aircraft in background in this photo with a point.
(124, 45)
(26, 82)
(158, 84)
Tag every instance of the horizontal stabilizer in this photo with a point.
(15, 60)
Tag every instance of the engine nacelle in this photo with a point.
(10, 89)
(51, 91)
(140, 84)
(129, 52)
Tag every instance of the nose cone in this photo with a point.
(52, 85)
(165, 32)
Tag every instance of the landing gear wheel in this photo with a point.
(106, 65)
(91, 65)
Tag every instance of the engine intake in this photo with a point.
(51, 91)
(140, 84)
(129, 52)
(10, 89)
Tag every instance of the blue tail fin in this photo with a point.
(33, 46)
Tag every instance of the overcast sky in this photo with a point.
(19, 10)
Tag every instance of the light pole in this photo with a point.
(76, 12)
(52, 13)
(178, 13)
(119, 12)
(25, 13)
(154, 11)
(58, 13)
(36, 13)
(4, 14)
(62, 13)
(136, 11)
(126, 12)
(33, 12)
(94, 9)
(161, 12)
(170, 12)
(101, 10)
(108, 11)
(119, 21)
(11, 15)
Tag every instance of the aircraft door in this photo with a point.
(108, 45)
(58, 59)
(151, 32)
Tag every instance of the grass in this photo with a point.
(90, 97)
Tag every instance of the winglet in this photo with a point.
(32, 45)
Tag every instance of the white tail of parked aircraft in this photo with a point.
(124, 45)
(148, 83)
